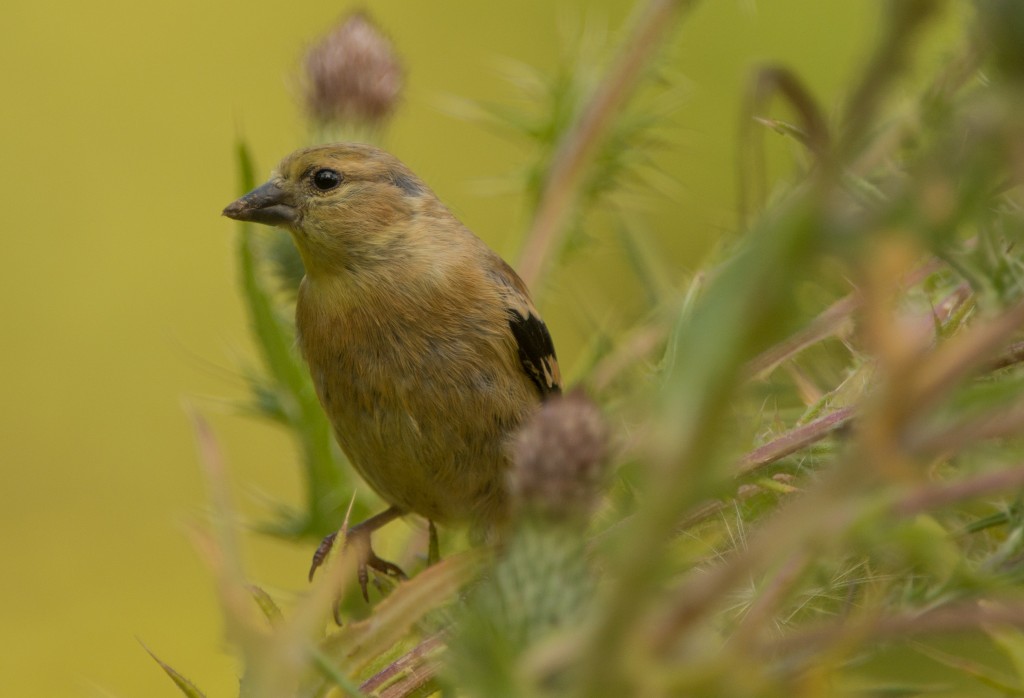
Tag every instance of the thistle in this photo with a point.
(352, 76)
(542, 583)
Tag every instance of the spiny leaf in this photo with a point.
(266, 604)
(326, 484)
(187, 688)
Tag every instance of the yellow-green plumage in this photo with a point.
(422, 385)
(423, 345)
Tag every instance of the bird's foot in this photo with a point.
(359, 536)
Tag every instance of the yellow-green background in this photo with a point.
(118, 285)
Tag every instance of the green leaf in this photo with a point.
(333, 673)
(287, 393)
(187, 688)
(984, 674)
(267, 605)
(1011, 642)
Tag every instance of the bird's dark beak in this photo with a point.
(268, 204)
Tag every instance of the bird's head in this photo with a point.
(341, 202)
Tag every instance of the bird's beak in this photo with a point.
(269, 204)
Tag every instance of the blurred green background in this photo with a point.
(119, 282)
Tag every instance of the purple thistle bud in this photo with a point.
(559, 458)
(353, 74)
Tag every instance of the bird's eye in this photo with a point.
(326, 179)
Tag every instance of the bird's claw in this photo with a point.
(367, 558)
(321, 553)
(370, 560)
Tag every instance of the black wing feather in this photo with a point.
(536, 351)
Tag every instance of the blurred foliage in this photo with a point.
(818, 456)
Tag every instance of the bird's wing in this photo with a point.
(533, 341)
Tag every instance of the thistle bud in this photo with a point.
(353, 75)
(542, 581)
(559, 458)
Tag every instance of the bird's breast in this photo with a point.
(423, 410)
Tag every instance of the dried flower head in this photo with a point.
(353, 74)
(559, 457)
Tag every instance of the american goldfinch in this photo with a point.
(425, 349)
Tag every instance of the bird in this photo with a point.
(424, 347)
